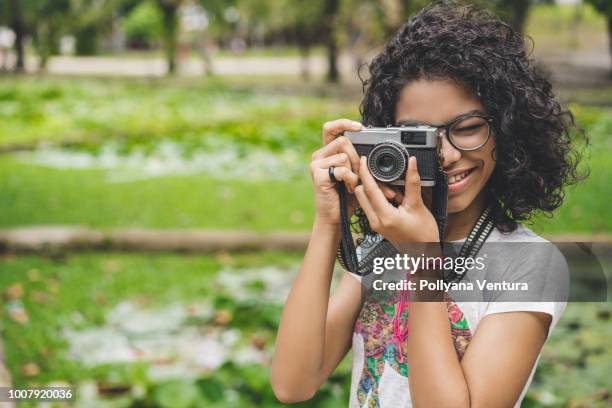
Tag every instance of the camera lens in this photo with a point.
(387, 161)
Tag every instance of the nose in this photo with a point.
(449, 153)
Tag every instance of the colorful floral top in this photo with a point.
(380, 372)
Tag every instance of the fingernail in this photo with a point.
(357, 125)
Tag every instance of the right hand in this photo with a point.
(339, 152)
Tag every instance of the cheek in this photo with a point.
(488, 159)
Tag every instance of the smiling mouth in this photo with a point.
(458, 177)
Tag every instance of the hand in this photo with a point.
(339, 152)
(411, 221)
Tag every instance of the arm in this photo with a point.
(493, 370)
(315, 331)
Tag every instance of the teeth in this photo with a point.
(458, 177)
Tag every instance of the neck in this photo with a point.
(459, 224)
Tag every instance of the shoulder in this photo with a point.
(520, 234)
(524, 247)
(525, 257)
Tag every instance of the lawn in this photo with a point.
(198, 154)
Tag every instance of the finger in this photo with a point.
(339, 159)
(349, 178)
(366, 206)
(336, 127)
(426, 193)
(412, 191)
(340, 144)
(399, 198)
(389, 192)
(375, 195)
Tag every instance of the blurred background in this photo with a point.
(155, 199)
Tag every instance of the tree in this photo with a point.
(50, 16)
(605, 8)
(17, 23)
(515, 12)
(300, 23)
(169, 10)
(88, 19)
(216, 24)
(330, 11)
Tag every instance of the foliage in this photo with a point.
(603, 6)
(76, 291)
(143, 25)
(72, 292)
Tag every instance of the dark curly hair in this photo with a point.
(535, 155)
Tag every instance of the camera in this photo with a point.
(387, 151)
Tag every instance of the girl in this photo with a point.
(463, 70)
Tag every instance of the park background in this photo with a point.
(155, 197)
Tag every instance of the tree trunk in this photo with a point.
(206, 55)
(610, 41)
(331, 9)
(18, 26)
(44, 42)
(170, 22)
(519, 14)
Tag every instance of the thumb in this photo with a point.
(412, 189)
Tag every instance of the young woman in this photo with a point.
(465, 71)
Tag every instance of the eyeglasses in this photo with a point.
(467, 132)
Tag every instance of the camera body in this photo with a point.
(388, 149)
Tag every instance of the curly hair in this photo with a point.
(535, 154)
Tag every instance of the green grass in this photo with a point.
(37, 195)
(90, 112)
(586, 203)
(138, 114)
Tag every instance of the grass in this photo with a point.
(139, 114)
(37, 195)
(90, 112)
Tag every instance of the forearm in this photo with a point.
(300, 343)
(436, 377)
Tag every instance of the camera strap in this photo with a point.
(347, 253)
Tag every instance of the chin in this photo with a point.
(458, 204)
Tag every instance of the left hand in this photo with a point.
(411, 221)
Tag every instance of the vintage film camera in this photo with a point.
(388, 149)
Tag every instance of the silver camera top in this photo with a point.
(414, 137)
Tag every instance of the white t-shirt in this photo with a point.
(379, 372)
